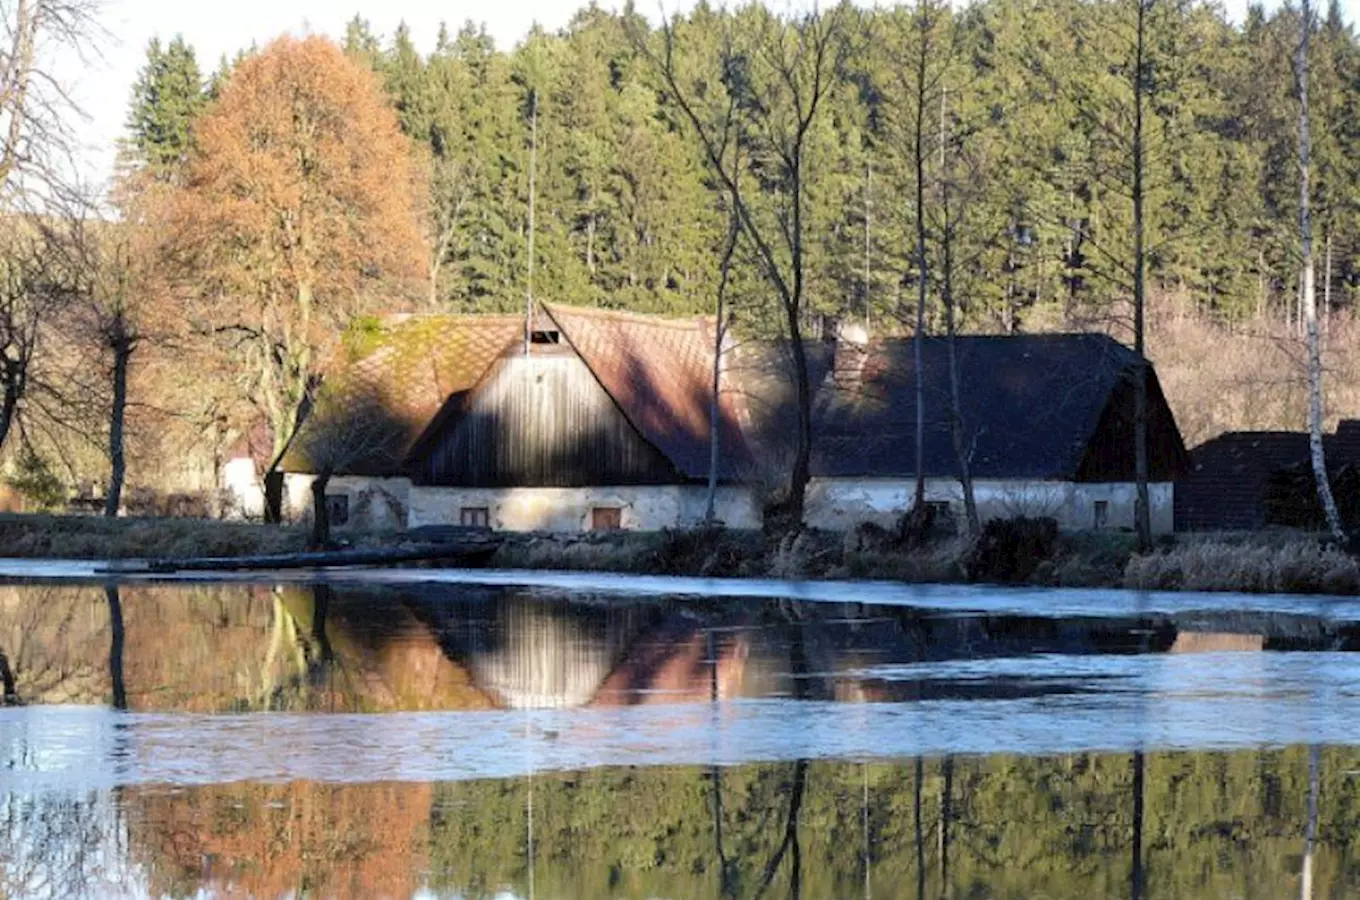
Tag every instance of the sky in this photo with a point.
(101, 82)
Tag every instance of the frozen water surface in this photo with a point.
(448, 733)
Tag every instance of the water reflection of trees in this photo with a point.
(64, 845)
(1003, 826)
(998, 827)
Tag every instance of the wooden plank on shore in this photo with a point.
(463, 551)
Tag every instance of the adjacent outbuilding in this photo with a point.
(1046, 425)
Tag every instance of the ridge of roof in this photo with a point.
(404, 318)
(626, 315)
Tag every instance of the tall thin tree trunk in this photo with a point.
(868, 238)
(715, 399)
(1136, 872)
(1142, 505)
(801, 470)
(918, 829)
(122, 358)
(1327, 285)
(946, 819)
(9, 690)
(1311, 827)
(533, 178)
(962, 454)
(1309, 299)
(9, 406)
(802, 461)
(923, 271)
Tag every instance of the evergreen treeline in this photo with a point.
(1025, 110)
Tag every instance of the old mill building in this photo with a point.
(594, 419)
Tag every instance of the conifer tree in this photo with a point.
(167, 99)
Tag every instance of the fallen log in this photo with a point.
(465, 551)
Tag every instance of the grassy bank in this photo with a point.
(1075, 560)
(39, 536)
(1276, 562)
(1273, 562)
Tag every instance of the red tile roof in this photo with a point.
(658, 371)
(409, 367)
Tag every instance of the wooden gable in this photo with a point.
(1109, 454)
(537, 421)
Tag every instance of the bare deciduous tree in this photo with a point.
(28, 303)
(36, 144)
(774, 86)
(117, 299)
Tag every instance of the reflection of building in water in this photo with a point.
(1216, 642)
(550, 654)
(532, 651)
(535, 653)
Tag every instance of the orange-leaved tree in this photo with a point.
(298, 212)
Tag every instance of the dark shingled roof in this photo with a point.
(420, 369)
(1227, 484)
(1031, 403)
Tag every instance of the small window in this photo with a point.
(1101, 514)
(606, 518)
(939, 509)
(545, 337)
(337, 509)
(474, 517)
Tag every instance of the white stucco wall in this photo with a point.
(245, 492)
(643, 507)
(375, 504)
(843, 503)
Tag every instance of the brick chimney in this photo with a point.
(851, 353)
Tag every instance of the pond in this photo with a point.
(497, 735)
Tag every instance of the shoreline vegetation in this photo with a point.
(1268, 562)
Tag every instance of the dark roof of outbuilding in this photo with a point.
(1225, 488)
(1030, 403)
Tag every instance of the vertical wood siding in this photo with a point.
(1109, 453)
(541, 421)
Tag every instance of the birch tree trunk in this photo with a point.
(1327, 284)
(1309, 290)
(1311, 828)
(533, 191)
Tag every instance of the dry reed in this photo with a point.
(1288, 566)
